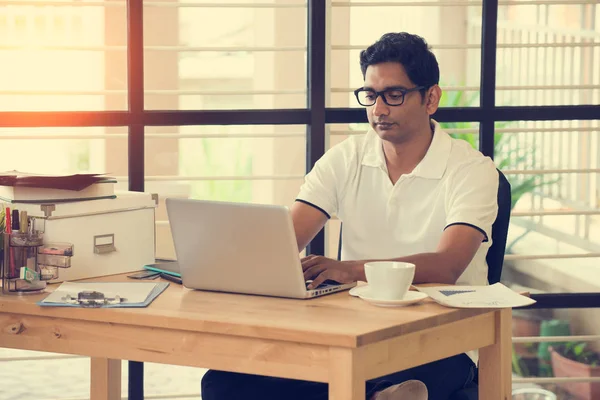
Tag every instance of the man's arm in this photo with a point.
(308, 221)
(456, 249)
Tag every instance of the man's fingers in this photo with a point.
(312, 272)
(308, 257)
(319, 279)
(309, 262)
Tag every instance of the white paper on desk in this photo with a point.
(132, 292)
(492, 296)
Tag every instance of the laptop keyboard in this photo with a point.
(326, 283)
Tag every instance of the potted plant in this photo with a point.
(574, 359)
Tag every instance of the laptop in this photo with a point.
(239, 248)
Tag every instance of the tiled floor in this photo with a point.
(68, 379)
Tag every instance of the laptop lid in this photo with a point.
(236, 247)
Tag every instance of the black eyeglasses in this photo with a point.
(393, 96)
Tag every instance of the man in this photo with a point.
(404, 191)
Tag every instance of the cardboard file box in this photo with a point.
(109, 236)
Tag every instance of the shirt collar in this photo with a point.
(432, 166)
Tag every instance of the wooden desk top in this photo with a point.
(338, 319)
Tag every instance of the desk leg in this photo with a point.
(105, 379)
(346, 380)
(495, 361)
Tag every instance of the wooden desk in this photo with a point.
(337, 338)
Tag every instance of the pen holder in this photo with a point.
(20, 270)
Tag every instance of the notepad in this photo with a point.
(492, 296)
(130, 294)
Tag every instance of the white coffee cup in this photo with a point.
(389, 280)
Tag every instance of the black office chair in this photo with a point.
(494, 258)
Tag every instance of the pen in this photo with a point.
(24, 222)
(171, 278)
(11, 253)
(16, 224)
(7, 225)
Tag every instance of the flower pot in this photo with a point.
(525, 327)
(564, 367)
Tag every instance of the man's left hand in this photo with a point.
(320, 269)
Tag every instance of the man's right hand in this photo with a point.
(320, 269)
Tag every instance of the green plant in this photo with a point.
(518, 366)
(215, 157)
(79, 155)
(578, 351)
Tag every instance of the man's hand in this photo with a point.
(320, 269)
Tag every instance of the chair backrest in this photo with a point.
(495, 254)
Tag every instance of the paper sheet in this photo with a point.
(492, 296)
(132, 292)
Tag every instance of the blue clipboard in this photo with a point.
(95, 298)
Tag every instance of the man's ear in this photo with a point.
(432, 99)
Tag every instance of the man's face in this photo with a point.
(396, 124)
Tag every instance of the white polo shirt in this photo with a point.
(453, 184)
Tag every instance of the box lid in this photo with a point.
(124, 201)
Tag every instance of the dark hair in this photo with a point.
(409, 50)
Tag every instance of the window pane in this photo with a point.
(66, 151)
(554, 236)
(548, 54)
(453, 32)
(205, 57)
(253, 164)
(63, 57)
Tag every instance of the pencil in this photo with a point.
(171, 278)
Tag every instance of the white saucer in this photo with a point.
(411, 297)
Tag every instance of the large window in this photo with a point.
(235, 100)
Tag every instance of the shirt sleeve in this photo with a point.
(473, 196)
(321, 187)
